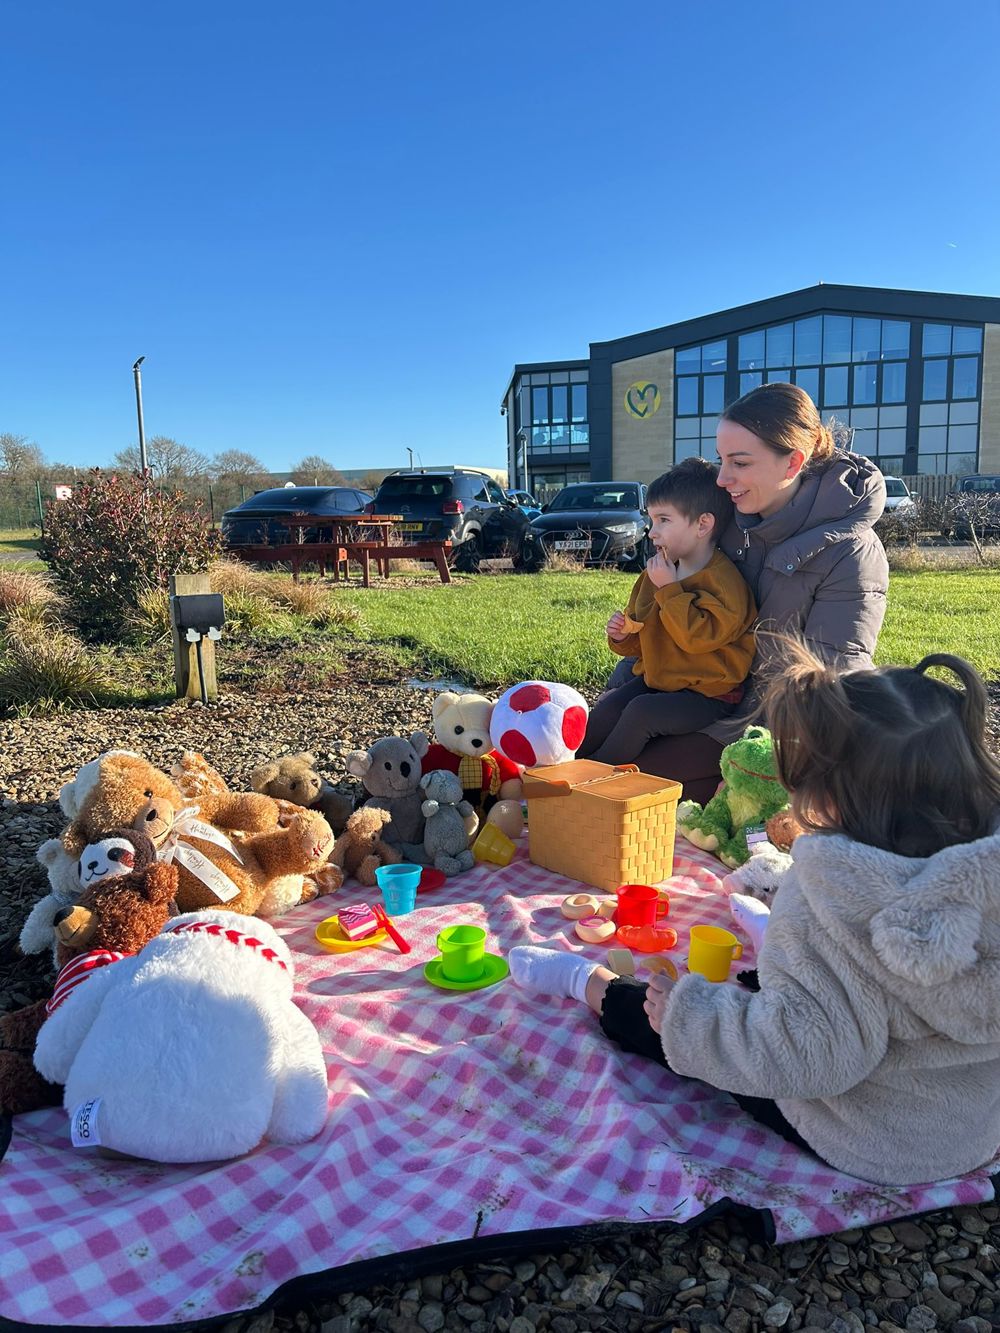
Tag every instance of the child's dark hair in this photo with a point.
(890, 757)
(691, 487)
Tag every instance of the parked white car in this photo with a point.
(897, 496)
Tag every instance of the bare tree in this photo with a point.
(20, 459)
(169, 459)
(371, 481)
(236, 465)
(316, 471)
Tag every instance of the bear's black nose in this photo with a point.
(477, 742)
(61, 915)
(404, 768)
(150, 816)
(91, 865)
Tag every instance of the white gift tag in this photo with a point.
(83, 1124)
(209, 874)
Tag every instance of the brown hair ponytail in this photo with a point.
(892, 757)
(785, 418)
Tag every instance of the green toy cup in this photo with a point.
(463, 950)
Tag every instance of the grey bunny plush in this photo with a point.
(446, 838)
(390, 772)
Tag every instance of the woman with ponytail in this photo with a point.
(802, 534)
(874, 1040)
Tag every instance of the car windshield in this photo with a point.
(596, 497)
(895, 488)
(983, 485)
(423, 487)
(290, 498)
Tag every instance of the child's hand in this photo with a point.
(655, 1003)
(660, 570)
(616, 627)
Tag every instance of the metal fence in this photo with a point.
(22, 505)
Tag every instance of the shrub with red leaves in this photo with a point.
(117, 536)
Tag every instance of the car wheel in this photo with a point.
(529, 558)
(468, 554)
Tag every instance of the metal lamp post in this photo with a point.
(143, 465)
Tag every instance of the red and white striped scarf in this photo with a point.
(78, 970)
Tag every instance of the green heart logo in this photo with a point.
(642, 399)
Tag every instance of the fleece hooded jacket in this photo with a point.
(697, 633)
(877, 1026)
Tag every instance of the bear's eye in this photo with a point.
(295, 784)
(388, 766)
(115, 854)
(147, 794)
(459, 730)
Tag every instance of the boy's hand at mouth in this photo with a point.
(660, 569)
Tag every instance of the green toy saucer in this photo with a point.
(495, 970)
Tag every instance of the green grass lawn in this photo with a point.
(495, 630)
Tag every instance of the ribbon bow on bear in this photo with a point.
(176, 848)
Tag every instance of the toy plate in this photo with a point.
(495, 970)
(431, 878)
(329, 934)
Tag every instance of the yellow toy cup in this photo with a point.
(712, 952)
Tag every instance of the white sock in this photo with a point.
(551, 971)
(751, 916)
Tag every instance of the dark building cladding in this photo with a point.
(914, 375)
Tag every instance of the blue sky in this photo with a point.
(334, 228)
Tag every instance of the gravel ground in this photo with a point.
(935, 1272)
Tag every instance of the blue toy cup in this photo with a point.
(399, 887)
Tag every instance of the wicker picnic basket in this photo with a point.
(602, 825)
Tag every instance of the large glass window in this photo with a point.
(935, 380)
(809, 341)
(865, 384)
(894, 382)
(835, 386)
(779, 345)
(687, 396)
(751, 350)
(836, 338)
(551, 411)
(965, 377)
(866, 340)
(713, 393)
(807, 377)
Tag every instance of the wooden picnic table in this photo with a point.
(346, 544)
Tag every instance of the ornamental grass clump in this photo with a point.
(114, 539)
(43, 668)
(29, 595)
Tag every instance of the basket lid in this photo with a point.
(622, 783)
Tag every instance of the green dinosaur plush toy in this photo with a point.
(750, 794)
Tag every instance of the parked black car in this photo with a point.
(260, 519)
(460, 504)
(976, 504)
(599, 522)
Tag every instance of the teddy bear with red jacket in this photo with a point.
(491, 783)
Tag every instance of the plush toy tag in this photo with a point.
(755, 834)
(210, 875)
(189, 827)
(83, 1124)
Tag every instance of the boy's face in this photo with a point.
(673, 534)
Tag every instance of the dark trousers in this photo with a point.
(624, 1020)
(626, 719)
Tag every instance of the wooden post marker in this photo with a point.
(186, 674)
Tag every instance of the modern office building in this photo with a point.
(915, 374)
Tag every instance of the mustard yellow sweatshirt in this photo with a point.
(696, 634)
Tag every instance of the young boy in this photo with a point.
(688, 623)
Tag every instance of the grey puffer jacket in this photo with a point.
(877, 1025)
(815, 568)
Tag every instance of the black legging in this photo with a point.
(625, 1021)
(626, 719)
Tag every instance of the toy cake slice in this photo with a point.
(358, 922)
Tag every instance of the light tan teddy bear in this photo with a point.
(230, 852)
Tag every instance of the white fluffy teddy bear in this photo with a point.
(190, 1051)
(752, 887)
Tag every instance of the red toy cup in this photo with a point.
(637, 905)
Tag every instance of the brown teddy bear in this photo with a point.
(782, 829)
(126, 897)
(360, 849)
(294, 779)
(230, 851)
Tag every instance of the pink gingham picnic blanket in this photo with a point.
(453, 1116)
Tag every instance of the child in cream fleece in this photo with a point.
(874, 1040)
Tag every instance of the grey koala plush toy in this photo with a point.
(390, 772)
(446, 838)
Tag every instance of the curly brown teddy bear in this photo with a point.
(127, 896)
(230, 851)
(294, 779)
(360, 849)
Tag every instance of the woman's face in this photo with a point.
(759, 480)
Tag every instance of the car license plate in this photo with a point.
(410, 527)
(579, 545)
